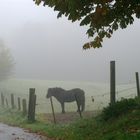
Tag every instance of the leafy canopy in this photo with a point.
(102, 17)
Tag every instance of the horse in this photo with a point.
(63, 96)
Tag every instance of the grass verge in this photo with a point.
(16, 118)
(107, 126)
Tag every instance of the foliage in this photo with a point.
(6, 62)
(102, 17)
(120, 107)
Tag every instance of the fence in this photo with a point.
(16, 102)
(20, 102)
(29, 102)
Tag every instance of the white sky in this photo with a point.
(45, 47)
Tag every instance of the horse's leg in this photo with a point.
(78, 107)
(63, 107)
(83, 104)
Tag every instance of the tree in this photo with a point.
(6, 62)
(102, 17)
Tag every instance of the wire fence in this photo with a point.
(96, 96)
(93, 101)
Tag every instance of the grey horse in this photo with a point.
(63, 96)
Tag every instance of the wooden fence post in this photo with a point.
(112, 82)
(32, 104)
(137, 84)
(19, 104)
(12, 101)
(2, 99)
(53, 110)
(24, 106)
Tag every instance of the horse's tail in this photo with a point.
(83, 102)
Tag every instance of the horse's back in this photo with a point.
(78, 91)
(67, 95)
(78, 94)
(71, 95)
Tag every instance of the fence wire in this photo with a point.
(100, 99)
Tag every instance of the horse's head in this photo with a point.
(49, 93)
(53, 92)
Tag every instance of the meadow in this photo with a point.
(99, 91)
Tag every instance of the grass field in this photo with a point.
(100, 92)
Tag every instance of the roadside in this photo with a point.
(43, 126)
(119, 121)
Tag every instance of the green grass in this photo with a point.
(123, 126)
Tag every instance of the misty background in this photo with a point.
(48, 48)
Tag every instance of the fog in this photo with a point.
(45, 47)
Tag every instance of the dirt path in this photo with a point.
(15, 133)
(68, 117)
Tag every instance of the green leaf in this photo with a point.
(85, 21)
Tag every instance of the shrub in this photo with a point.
(119, 108)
